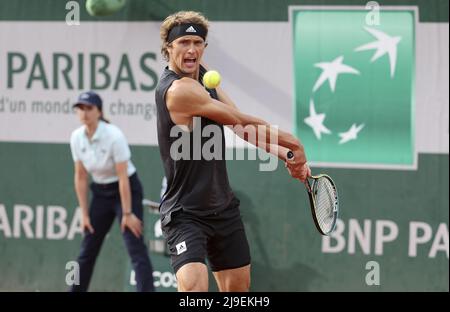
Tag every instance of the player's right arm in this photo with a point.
(186, 98)
(81, 189)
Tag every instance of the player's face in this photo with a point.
(88, 114)
(185, 54)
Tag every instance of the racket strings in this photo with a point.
(325, 202)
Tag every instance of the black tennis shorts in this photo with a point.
(218, 238)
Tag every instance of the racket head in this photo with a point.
(324, 202)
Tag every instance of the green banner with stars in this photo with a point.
(354, 95)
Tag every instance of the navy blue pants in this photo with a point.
(105, 206)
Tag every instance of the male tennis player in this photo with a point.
(199, 213)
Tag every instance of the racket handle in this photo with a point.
(290, 155)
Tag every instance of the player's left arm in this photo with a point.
(224, 98)
(221, 94)
(274, 149)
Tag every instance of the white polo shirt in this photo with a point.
(99, 155)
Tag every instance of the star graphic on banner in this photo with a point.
(315, 121)
(384, 44)
(330, 72)
(351, 134)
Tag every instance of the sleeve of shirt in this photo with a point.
(120, 149)
(73, 148)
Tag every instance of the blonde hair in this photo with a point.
(175, 19)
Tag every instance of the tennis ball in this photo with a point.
(211, 79)
(104, 7)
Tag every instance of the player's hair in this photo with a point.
(175, 19)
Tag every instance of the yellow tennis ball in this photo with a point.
(211, 79)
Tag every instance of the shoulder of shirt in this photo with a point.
(113, 130)
(77, 133)
(166, 79)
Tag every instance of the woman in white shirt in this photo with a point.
(101, 150)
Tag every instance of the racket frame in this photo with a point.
(311, 191)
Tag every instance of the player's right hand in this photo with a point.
(297, 166)
(301, 173)
(86, 224)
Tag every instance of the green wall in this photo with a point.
(285, 247)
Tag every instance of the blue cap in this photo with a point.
(89, 98)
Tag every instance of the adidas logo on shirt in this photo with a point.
(191, 29)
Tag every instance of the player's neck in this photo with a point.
(193, 75)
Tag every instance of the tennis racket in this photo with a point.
(323, 199)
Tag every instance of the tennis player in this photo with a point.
(200, 215)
